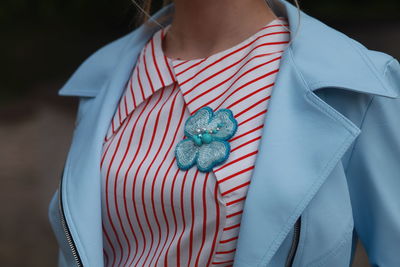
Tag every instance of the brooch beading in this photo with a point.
(207, 143)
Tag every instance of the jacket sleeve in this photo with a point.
(374, 177)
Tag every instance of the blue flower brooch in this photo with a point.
(207, 144)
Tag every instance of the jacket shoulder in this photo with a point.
(91, 75)
(383, 62)
(327, 57)
(386, 66)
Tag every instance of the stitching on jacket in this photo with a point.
(345, 86)
(361, 125)
(367, 60)
(388, 64)
(350, 126)
(317, 103)
(336, 249)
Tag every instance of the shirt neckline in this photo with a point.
(154, 71)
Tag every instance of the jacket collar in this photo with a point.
(303, 139)
(328, 58)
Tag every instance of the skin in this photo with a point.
(201, 28)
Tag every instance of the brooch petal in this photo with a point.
(206, 145)
(199, 120)
(186, 153)
(226, 122)
(212, 154)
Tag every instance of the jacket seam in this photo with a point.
(349, 126)
(320, 84)
(332, 113)
(361, 128)
(298, 71)
(365, 115)
(336, 249)
(367, 61)
(387, 65)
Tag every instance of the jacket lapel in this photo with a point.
(304, 137)
(81, 183)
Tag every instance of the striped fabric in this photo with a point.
(155, 214)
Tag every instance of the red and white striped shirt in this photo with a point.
(155, 214)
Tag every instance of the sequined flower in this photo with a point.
(207, 144)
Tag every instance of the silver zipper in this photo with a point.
(65, 227)
(295, 243)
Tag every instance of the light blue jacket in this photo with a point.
(328, 167)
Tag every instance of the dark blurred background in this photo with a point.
(41, 43)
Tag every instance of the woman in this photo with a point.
(182, 156)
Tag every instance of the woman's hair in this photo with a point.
(146, 7)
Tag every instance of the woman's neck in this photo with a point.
(203, 27)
